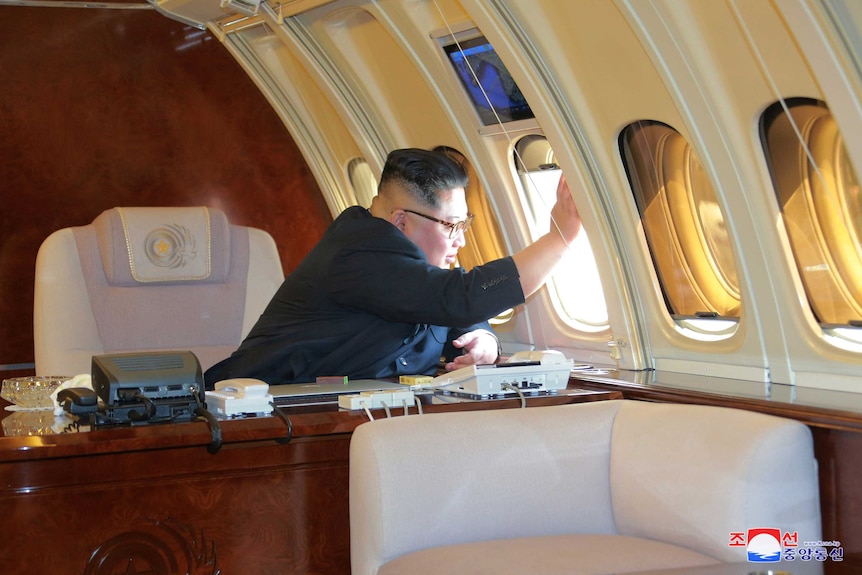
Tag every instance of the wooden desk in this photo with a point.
(152, 499)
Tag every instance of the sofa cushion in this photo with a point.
(550, 555)
(501, 473)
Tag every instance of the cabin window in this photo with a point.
(684, 229)
(362, 181)
(821, 209)
(574, 287)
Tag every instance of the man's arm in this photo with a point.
(536, 261)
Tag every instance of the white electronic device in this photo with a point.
(376, 399)
(236, 396)
(530, 371)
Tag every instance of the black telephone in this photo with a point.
(78, 400)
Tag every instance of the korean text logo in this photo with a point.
(770, 545)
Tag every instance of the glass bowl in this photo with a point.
(32, 392)
(40, 422)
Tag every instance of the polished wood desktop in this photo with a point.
(155, 499)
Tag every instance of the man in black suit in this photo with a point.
(376, 296)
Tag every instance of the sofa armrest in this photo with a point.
(693, 474)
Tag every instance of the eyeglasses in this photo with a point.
(454, 228)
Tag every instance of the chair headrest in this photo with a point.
(163, 245)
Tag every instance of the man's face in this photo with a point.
(433, 237)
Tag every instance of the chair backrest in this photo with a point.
(150, 279)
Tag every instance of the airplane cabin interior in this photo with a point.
(684, 393)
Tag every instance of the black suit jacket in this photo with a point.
(366, 303)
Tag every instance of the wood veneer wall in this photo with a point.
(105, 107)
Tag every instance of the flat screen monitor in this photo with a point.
(487, 82)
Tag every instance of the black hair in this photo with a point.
(423, 173)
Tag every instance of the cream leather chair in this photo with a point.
(150, 279)
(587, 489)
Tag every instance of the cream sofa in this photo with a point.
(593, 488)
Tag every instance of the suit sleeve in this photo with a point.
(394, 280)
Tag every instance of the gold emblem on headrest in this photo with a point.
(171, 246)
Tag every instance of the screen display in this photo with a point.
(488, 82)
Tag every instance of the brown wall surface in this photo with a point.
(105, 107)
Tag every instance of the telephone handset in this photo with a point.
(542, 356)
(241, 395)
(549, 357)
(243, 387)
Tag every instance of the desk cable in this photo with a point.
(283, 415)
(517, 390)
(367, 411)
(215, 427)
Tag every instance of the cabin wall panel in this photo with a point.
(104, 108)
(388, 79)
(323, 135)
